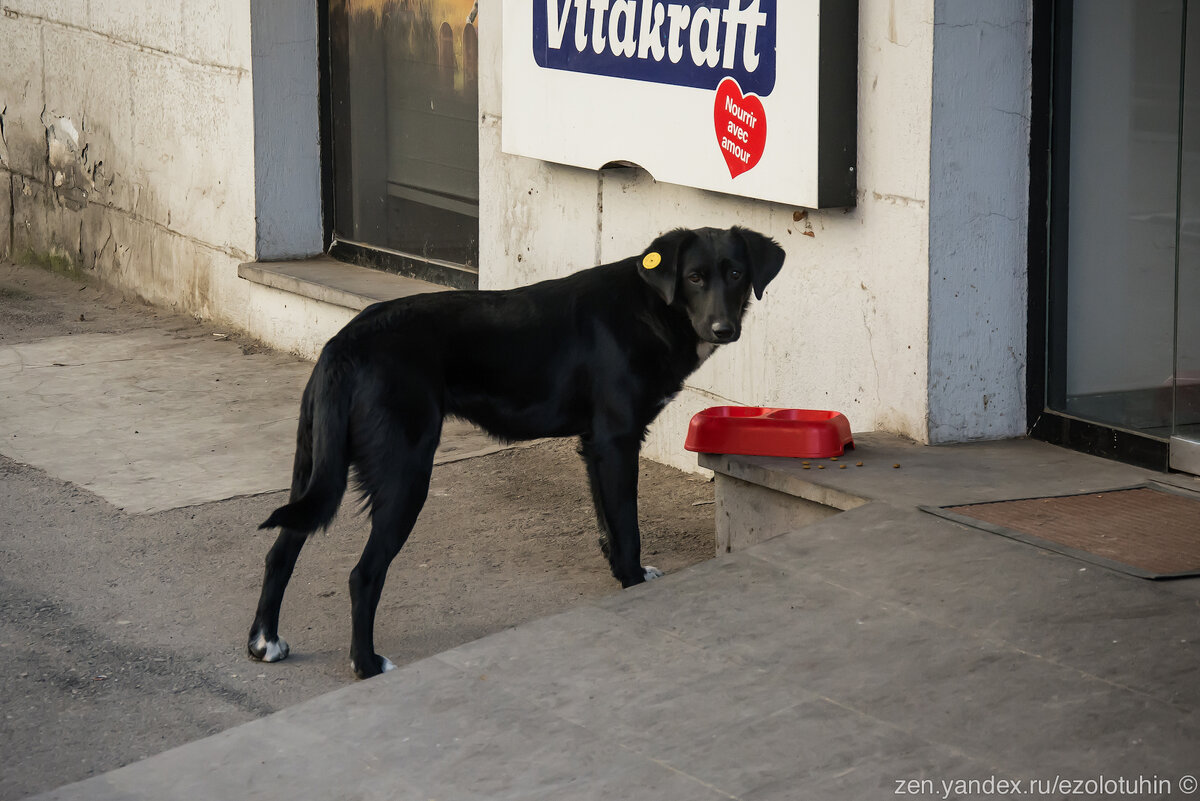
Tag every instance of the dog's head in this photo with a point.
(709, 273)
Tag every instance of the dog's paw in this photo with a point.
(374, 666)
(652, 572)
(265, 650)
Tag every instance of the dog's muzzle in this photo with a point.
(723, 332)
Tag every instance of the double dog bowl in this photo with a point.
(763, 431)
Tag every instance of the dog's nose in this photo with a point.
(722, 331)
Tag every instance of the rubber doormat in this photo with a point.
(1142, 531)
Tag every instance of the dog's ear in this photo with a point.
(766, 258)
(659, 263)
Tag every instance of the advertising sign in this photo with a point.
(755, 98)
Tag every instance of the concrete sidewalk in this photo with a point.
(132, 418)
(879, 647)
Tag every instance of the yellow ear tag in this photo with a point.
(651, 260)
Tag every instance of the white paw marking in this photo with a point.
(652, 572)
(272, 650)
(386, 667)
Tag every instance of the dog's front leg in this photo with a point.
(612, 464)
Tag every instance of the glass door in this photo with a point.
(1123, 289)
(1185, 435)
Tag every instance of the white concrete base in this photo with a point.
(748, 514)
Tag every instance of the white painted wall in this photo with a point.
(137, 146)
(978, 219)
(845, 326)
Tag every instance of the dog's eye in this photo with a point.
(696, 278)
(735, 275)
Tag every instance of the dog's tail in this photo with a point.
(322, 445)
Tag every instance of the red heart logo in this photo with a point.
(741, 124)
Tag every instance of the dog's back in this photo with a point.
(522, 363)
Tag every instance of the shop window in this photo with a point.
(403, 108)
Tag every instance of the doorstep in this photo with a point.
(760, 497)
(327, 280)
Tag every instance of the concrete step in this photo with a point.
(328, 280)
(297, 306)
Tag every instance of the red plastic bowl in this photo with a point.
(759, 431)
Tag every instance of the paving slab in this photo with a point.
(431, 732)
(161, 418)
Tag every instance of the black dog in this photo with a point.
(596, 354)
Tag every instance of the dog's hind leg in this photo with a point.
(264, 642)
(396, 493)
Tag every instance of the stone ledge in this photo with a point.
(328, 280)
(761, 496)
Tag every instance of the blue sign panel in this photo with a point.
(696, 43)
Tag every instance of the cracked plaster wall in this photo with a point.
(128, 145)
(845, 326)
